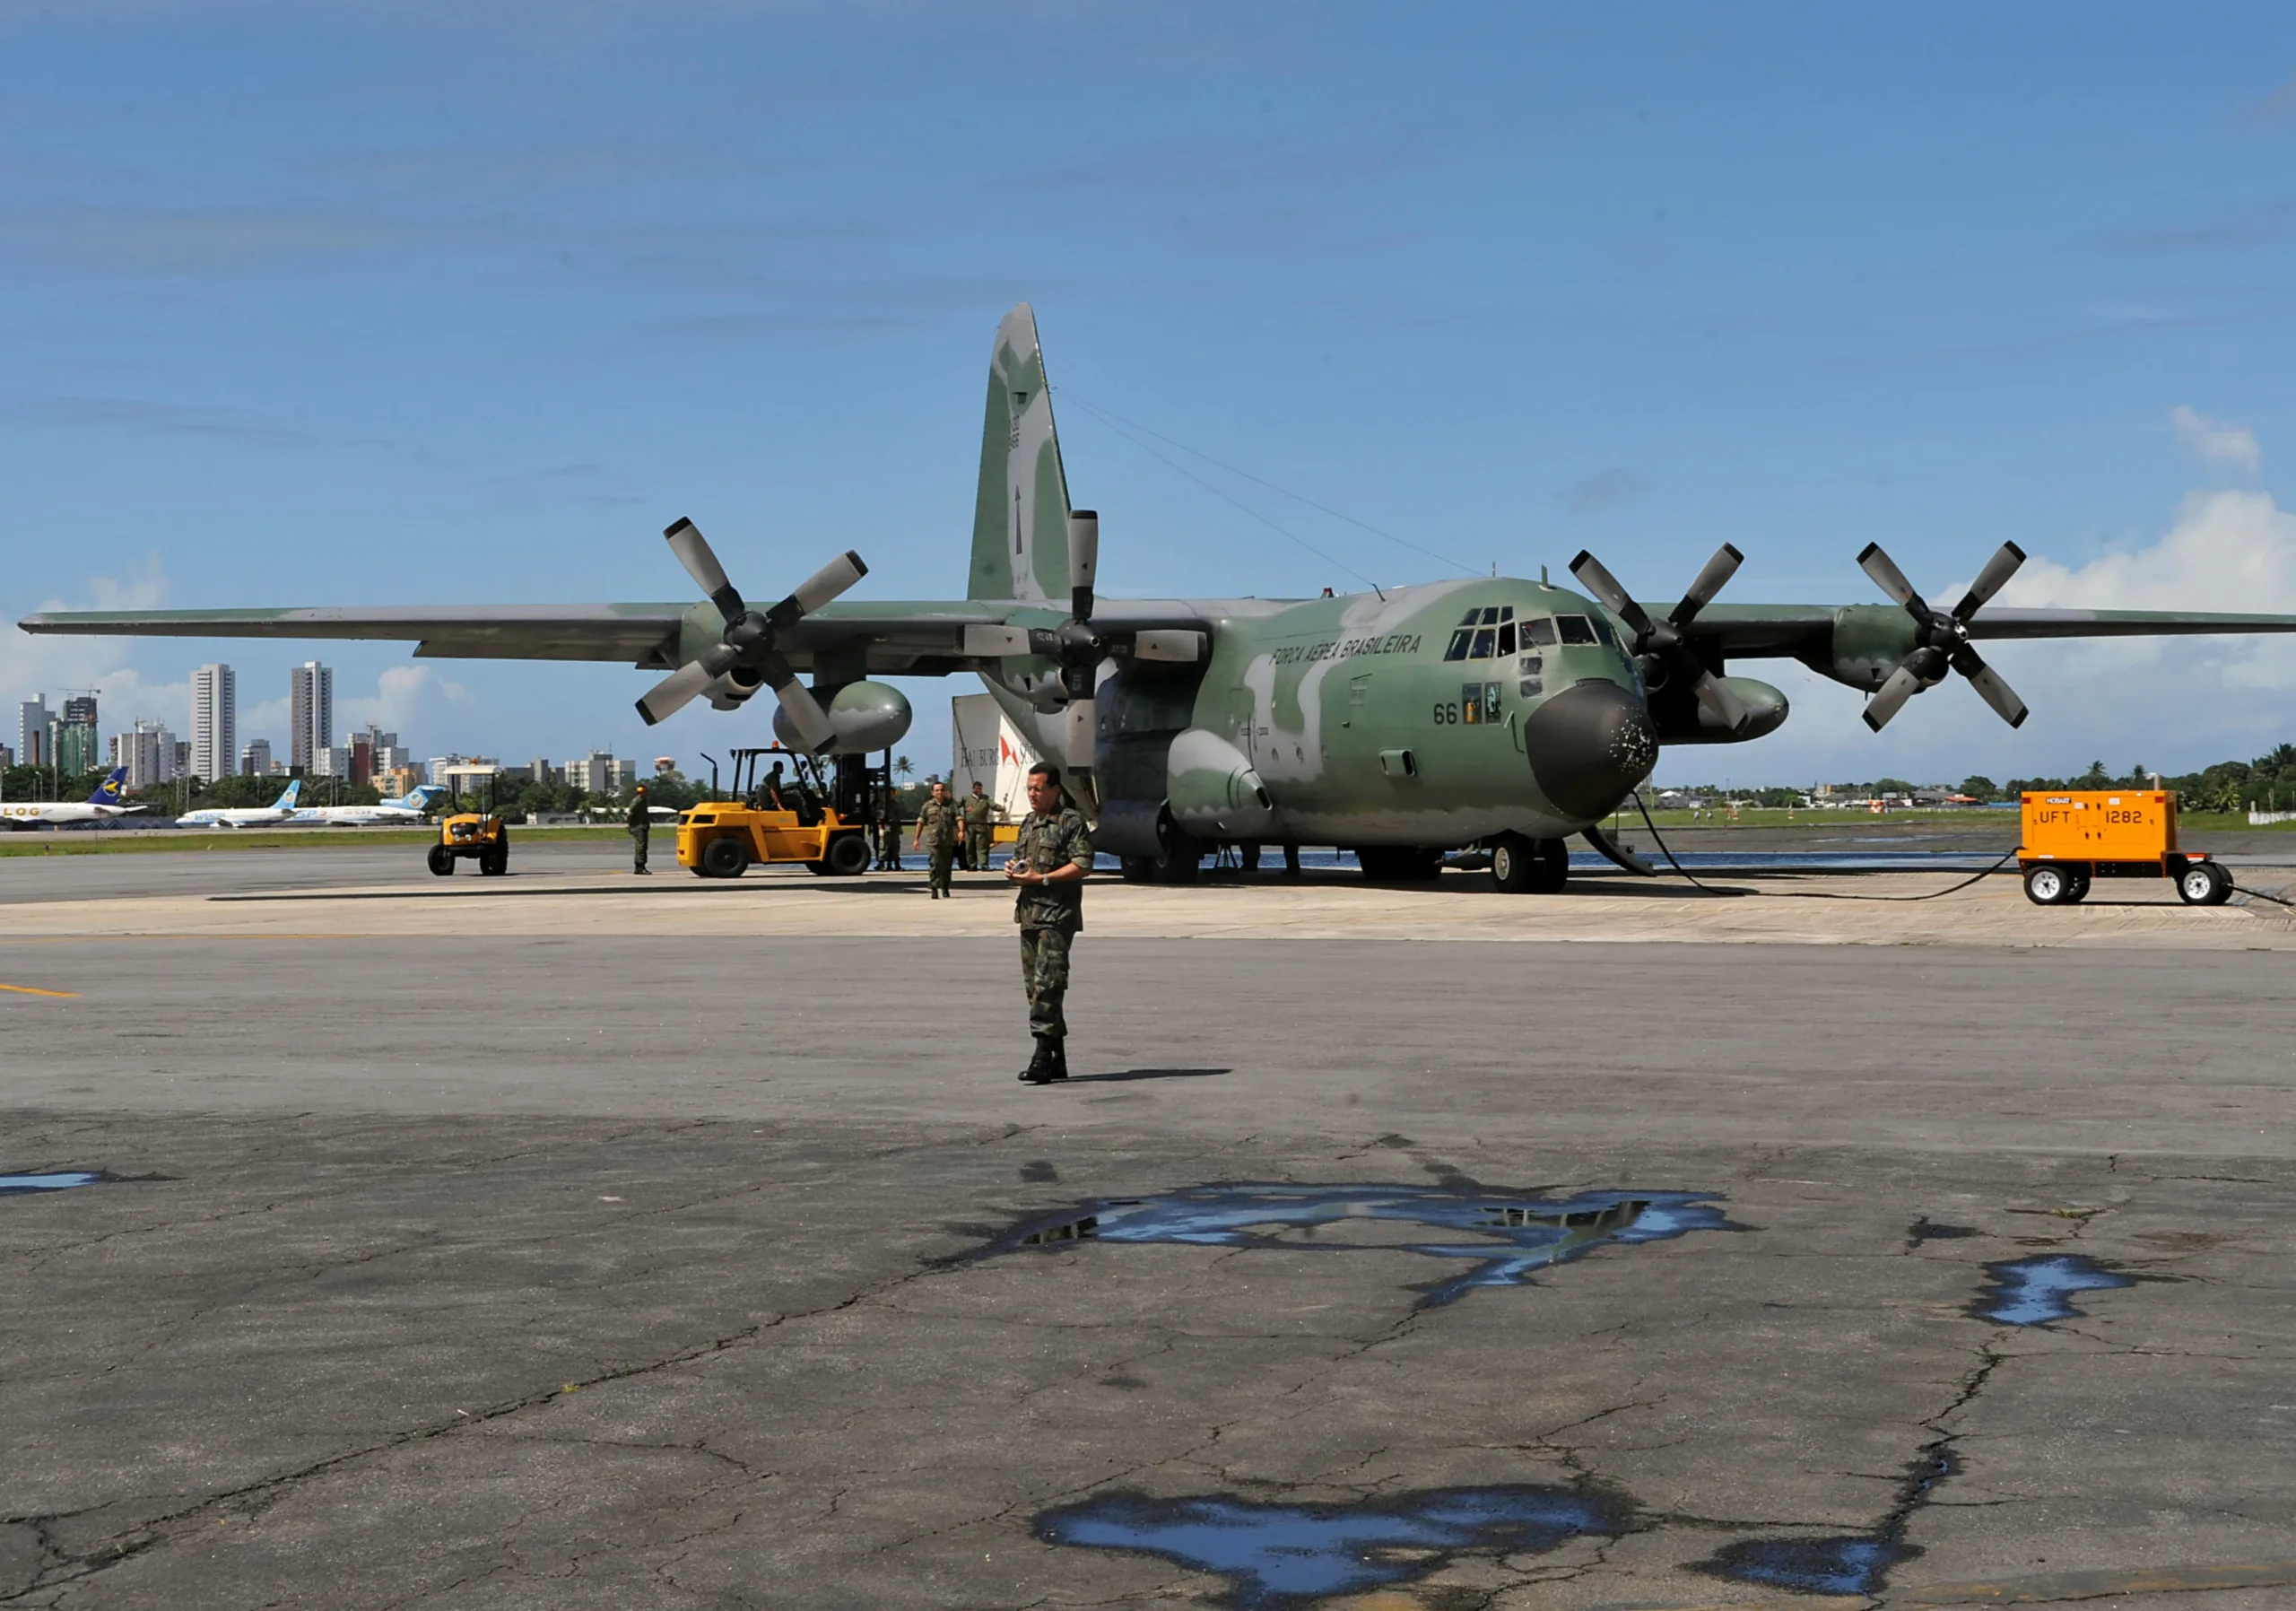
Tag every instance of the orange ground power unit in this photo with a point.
(2075, 836)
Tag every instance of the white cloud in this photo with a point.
(2215, 441)
(30, 665)
(401, 695)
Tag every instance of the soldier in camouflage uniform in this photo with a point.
(978, 828)
(936, 828)
(1050, 862)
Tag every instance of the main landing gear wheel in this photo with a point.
(442, 860)
(2203, 884)
(1523, 866)
(2047, 885)
(724, 858)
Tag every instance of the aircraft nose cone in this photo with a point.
(1590, 746)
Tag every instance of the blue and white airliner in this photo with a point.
(282, 810)
(409, 807)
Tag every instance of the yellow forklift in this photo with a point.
(481, 835)
(787, 808)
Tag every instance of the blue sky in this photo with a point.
(412, 303)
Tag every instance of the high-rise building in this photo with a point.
(592, 774)
(78, 749)
(255, 760)
(214, 720)
(149, 753)
(621, 776)
(35, 733)
(329, 761)
(311, 713)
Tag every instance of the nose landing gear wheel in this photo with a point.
(1522, 865)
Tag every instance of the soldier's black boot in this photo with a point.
(1059, 1060)
(1039, 1069)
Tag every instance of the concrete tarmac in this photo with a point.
(482, 1255)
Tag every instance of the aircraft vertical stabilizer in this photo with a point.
(1020, 524)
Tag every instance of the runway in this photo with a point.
(576, 1239)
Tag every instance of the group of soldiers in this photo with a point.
(953, 834)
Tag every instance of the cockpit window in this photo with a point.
(1575, 629)
(1484, 637)
(1506, 638)
(1603, 631)
(1537, 632)
(1460, 640)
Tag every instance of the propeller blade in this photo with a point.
(994, 643)
(1080, 732)
(700, 563)
(806, 718)
(1902, 686)
(1718, 571)
(1083, 561)
(1604, 586)
(1182, 646)
(1718, 701)
(1998, 570)
(675, 690)
(1887, 576)
(1989, 686)
(819, 588)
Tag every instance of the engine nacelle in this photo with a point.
(866, 717)
(1213, 789)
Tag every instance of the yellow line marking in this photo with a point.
(36, 990)
(2083, 1585)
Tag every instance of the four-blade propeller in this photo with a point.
(1942, 639)
(746, 655)
(1659, 644)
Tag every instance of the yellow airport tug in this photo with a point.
(2077, 836)
(480, 835)
(803, 813)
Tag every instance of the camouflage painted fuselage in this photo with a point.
(1370, 719)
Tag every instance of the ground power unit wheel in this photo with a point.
(2047, 885)
(2203, 884)
(724, 858)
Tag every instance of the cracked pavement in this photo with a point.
(508, 1271)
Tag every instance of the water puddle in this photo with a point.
(1277, 1554)
(1845, 1563)
(63, 1180)
(1504, 1238)
(1852, 1564)
(2036, 1291)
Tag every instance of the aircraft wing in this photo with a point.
(1803, 631)
(919, 638)
(634, 632)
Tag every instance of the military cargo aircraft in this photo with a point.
(1403, 723)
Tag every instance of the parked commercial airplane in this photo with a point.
(280, 811)
(100, 806)
(409, 807)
